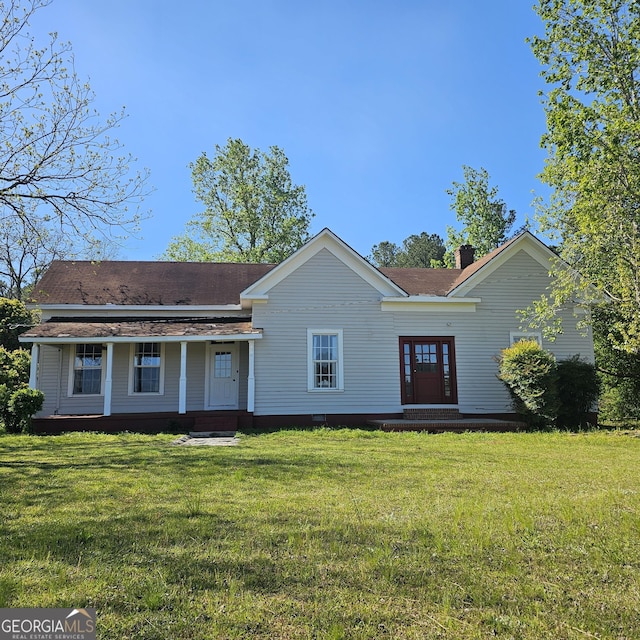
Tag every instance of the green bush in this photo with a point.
(23, 403)
(14, 367)
(17, 401)
(531, 376)
(5, 396)
(578, 391)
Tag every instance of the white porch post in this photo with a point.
(108, 381)
(182, 395)
(251, 380)
(33, 370)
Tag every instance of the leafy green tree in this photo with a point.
(17, 401)
(385, 254)
(253, 211)
(418, 250)
(485, 219)
(15, 319)
(590, 53)
(619, 370)
(60, 169)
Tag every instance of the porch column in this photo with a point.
(251, 380)
(33, 370)
(182, 394)
(108, 380)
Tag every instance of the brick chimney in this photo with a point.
(464, 256)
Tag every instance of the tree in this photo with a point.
(253, 211)
(385, 254)
(59, 168)
(485, 218)
(15, 319)
(590, 54)
(17, 402)
(27, 248)
(423, 250)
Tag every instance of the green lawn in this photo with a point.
(328, 534)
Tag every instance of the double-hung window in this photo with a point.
(516, 336)
(87, 370)
(325, 360)
(146, 375)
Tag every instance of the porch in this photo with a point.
(132, 369)
(438, 420)
(193, 421)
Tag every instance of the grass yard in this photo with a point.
(328, 534)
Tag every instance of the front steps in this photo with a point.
(215, 423)
(439, 420)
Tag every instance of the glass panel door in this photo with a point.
(427, 371)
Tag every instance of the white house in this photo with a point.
(323, 337)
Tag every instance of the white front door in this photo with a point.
(223, 376)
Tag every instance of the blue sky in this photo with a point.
(377, 104)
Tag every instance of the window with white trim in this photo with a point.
(517, 336)
(325, 360)
(87, 370)
(147, 368)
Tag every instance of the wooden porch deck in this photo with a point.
(443, 420)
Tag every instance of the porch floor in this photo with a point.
(444, 425)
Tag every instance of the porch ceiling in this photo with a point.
(139, 329)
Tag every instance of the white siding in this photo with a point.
(54, 360)
(481, 336)
(324, 294)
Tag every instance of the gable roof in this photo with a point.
(145, 283)
(477, 271)
(326, 239)
(137, 283)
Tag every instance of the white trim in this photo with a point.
(33, 367)
(326, 239)
(129, 339)
(235, 367)
(527, 242)
(132, 353)
(72, 362)
(251, 379)
(431, 303)
(117, 309)
(311, 388)
(516, 336)
(108, 380)
(182, 388)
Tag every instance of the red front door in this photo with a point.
(428, 371)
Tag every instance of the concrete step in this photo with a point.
(212, 434)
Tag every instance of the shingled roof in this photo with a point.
(422, 282)
(203, 283)
(146, 283)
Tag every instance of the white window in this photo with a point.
(86, 370)
(325, 360)
(147, 370)
(516, 336)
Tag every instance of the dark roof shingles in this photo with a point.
(203, 283)
(146, 283)
(133, 329)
